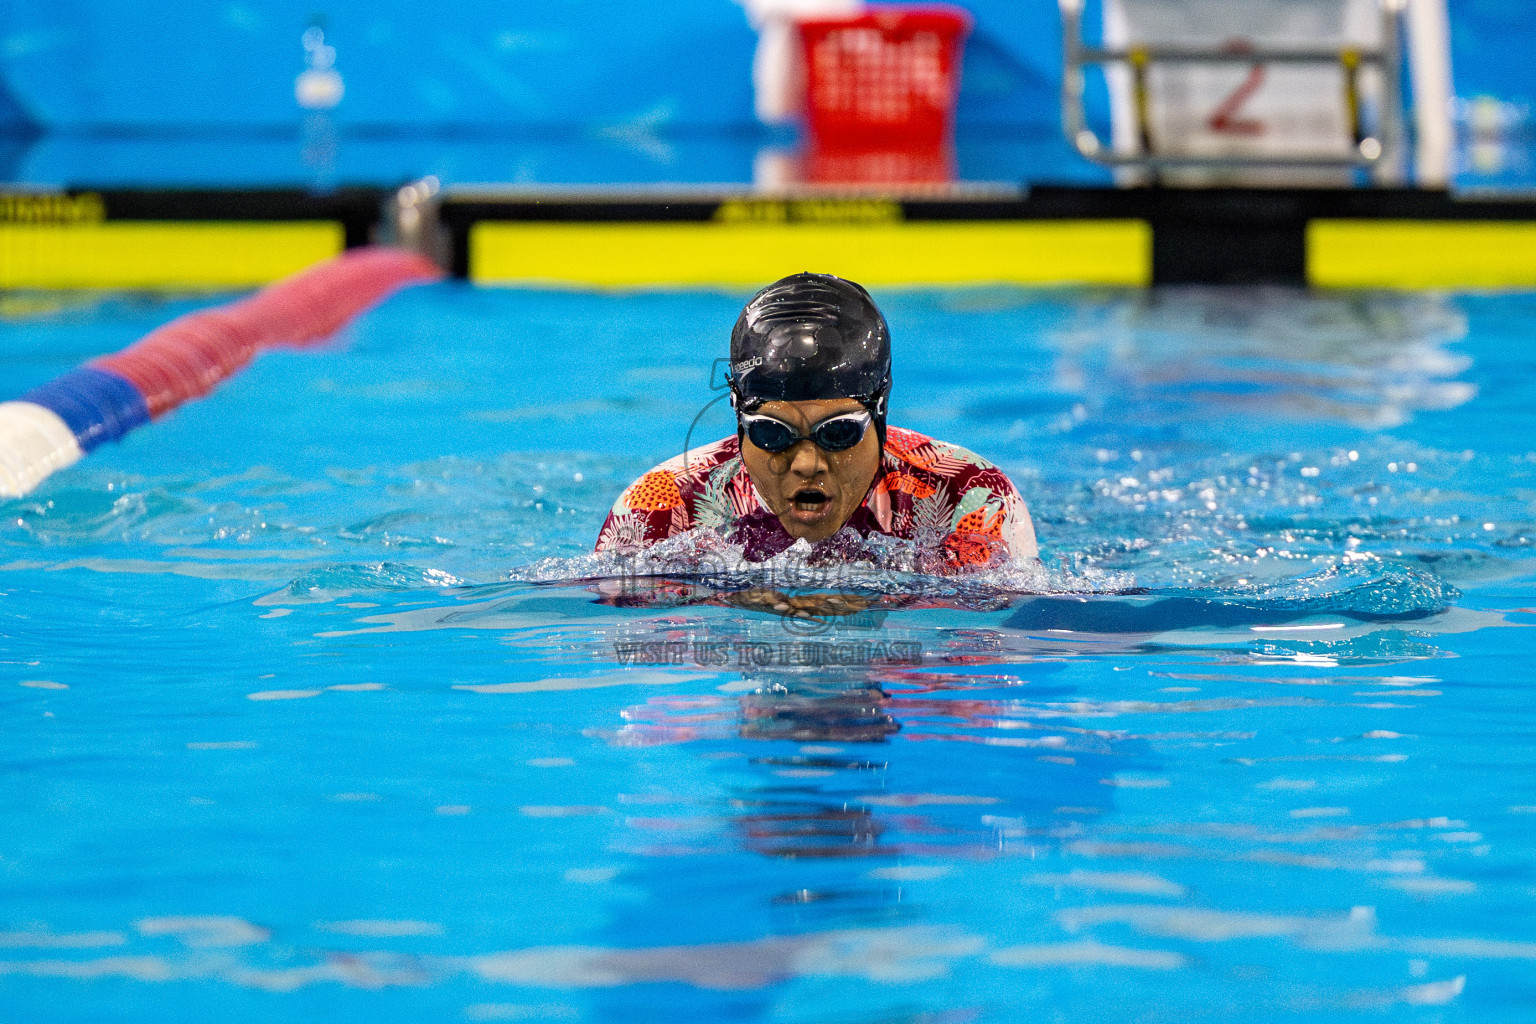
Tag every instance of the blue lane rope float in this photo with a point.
(57, 424)
(97, 405)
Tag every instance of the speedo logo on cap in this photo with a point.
(746, 364)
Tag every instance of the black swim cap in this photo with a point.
(811, 336)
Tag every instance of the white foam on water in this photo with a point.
(1355, 930)
(521, 1011)
(204, 931)
(1087, 953)
(40, 939)
(1434, 993)
(928, 800)
(350, 971)
(1137, 882)
(134, 968)
(563, 683)
(1430, 886)
(1471, 949)
(910, 873)
(380, 928)
(561, 810)
(898, 955)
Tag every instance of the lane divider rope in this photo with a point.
(57, 424)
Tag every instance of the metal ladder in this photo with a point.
(1376, 148)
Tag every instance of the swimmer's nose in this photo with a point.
(806, 461)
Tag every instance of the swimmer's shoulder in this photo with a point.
(967, 481)
(913, 452)
(679, 478)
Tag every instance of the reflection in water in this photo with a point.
(856, 714)
(1180, 355)
(820, 788)
(808, 829)
(842, 709)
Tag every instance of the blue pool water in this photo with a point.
(305, 719)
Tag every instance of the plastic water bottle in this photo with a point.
(319, 85)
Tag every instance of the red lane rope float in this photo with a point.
(191, 355)
(55, 425)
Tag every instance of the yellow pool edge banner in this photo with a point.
(1421, 254)
(162, 254)
(750, 254)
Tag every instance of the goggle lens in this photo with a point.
(771, 435)
(840, 434)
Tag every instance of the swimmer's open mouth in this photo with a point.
(809, 499)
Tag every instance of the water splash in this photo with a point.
(337, 581)
(876, 564)
(1364, 588)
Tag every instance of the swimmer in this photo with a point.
(813, 459)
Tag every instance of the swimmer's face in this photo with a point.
(811, 490)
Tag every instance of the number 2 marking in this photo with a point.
(1224, 121)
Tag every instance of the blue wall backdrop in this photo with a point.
(559, 90)
(1491, 49)
(555, 64)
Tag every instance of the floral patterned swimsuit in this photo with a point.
(957, 507)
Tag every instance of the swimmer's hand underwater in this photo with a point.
(798, 606)
(813, 456)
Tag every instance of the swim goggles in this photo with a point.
(833, 434)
